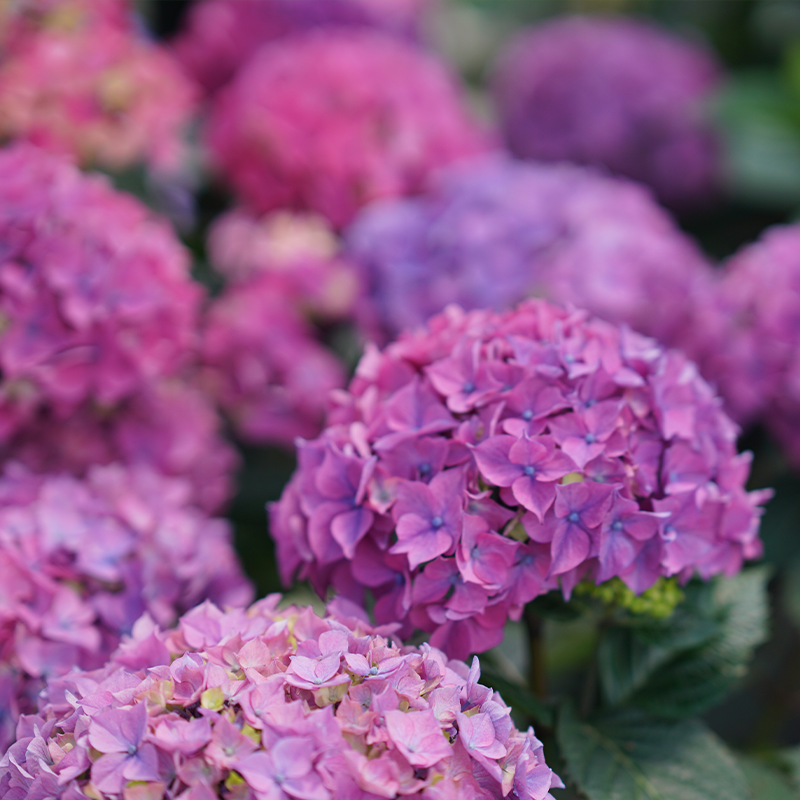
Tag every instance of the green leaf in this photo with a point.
(630, 756)
(790, 757)
(518, 697)
(765, 782)
(686, 664)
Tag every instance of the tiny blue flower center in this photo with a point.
(469, 387)
(437, 522)
(132, 750)
(373, 670)
(574, 517)
(670, 533)
(529, 470)
(590, 438)
(617, 526)
(424, 468)
(527, 414)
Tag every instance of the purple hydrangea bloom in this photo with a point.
(491, 457)
(263, 364)
(274, 704)
(391, 114)
(494, 231)
(616, 92)
(82, 560)
(96, 299)
(753, 356)
(219, 36)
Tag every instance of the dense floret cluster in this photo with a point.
(494, 231)
(755, 356)
(390, 114)
(615, 92)
(262, 363)
(299, 251)
(273, 704)
(169, 426)
(219, 36)
(82, 560)
(485, 460)
(78, 78)
(96, 300)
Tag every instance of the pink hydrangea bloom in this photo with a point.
(169, 426)
(82, 560)
(494, 231)
(390, 112)
(299, 251)
(96, 299)
(754, 357)
(491, 457)
(78, 78)
(264, 366)
(621, 93)
(273, 704)
(219, 36)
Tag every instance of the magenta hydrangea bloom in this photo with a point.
(273, 704)
(169, 426)
(489, 458)
(617, 92)
(754, 356)
(299, 251)
(79, 78)
(219, 36)
(391, 114)
(495, 231)
(96, 299)
(82, 560)
(262, 363)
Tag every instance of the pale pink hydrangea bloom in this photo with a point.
(219, 36)
(96, 299)
(83, 81)
(491, 457)
(273, 704)
(390, 114)
(169, 426)
(755, 356)
(299, 251)
(263, 364)
(615, 92)
(82, 560)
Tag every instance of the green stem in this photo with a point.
(537, 670)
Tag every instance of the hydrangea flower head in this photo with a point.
(754, 357)
(219, 36)
(491, 457)
(490, 233)
(169, 426)
(299, 251)
(96, 299)
(615, 92)
(82, 560)
(79, 79)
(277, 704)
(391, 114)
(263, 364)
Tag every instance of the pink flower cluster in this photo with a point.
(754, 357)
(263, 364)
(390, 114)
(82, 560)
(221, 35)
(96, 299)
(269, 704)
(169, 426)
(489, 233)
(84, 82)
(485, 460)
(299, 251)
(615, 92)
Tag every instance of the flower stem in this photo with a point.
(537, 671)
